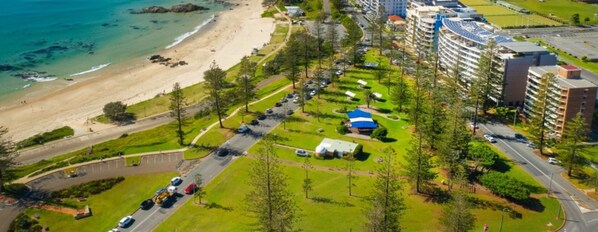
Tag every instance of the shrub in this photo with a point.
(89, 188)
(24, 223)
(505, 186)
(379, 133)
(46, 137)
(342, 129)
(358, 149)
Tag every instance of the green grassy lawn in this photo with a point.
(494, 10)
(340, 212)
(504, 17)
(108, 207)
(562, 9)
(45, 137)
(129, 161)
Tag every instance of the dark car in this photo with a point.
(269, 111)
(222, 152)
(254, 122)
(147, 204)
(278, 104)
(290, 95)
(289, 112)
(191, 188)
(261, 117)
(283, 100)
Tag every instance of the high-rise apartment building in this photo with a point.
(391, 7)
(568, 95)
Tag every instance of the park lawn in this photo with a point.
(562, 9)
(494, 10)
(521, 20)
(108, 207)
(130, 160)
(335, 210)
(590, 153)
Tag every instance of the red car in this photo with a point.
(191, 188)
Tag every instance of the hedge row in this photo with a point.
(505, 186)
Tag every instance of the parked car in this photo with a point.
(147, 204)
(283, 100)
(254, 122)
(309, 82)
(296, 100)
(301, 152)
(531, 145)
(172, 189)
(489, 138)
(552, 160)
(113, 230)
(278, 104)
(269, 111)
(191, 188)
(222, 152)
(339, 72)
(243, 129)
(125, 221)
(261, 117)
(290, 95)
(289, 112)
(313, 92)
(161, 190)
(176, 180)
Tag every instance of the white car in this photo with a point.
(113, 230)
(489, 138)
(313, 93)
(176, 180)
(300, 152)
(339, 72)
(553, 161)
(125, 221)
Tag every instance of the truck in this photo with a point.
(164, 194)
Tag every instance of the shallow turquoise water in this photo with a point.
(59, 38)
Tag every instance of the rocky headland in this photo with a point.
(180, 8)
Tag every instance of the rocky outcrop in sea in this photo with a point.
(181, 8)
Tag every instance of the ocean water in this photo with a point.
(58, 40)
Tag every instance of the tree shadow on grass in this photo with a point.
(331, 201)
(214, 205)
(532, 204)
(384, 110)
(500, 165)
(363, 156)
(388, 140)
(437, 195)
(485, 204)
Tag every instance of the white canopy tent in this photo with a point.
(350, 94)
(362, 82)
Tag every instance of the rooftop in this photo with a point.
(523, 47)
(570, 67)
(395, 18)
(340, 146)
(472, 31)
(562, 82)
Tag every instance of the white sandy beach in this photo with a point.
(233, 34)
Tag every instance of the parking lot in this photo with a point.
(107, 169)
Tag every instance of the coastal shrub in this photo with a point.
(24, 223)
(116, 112)
(89, 188)
(379, 133)
(342, 129)
(505, 186)
(46, 137)
(358, 149)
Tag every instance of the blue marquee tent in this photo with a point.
(361, 120)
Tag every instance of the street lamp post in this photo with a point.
(515, 116)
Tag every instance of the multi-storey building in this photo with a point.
(568, 95)
(423, 23)
(461, 43)
(514, 60)
(391, 7)
(424, 20)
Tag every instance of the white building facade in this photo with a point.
(391, 7)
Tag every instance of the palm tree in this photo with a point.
(368, 96)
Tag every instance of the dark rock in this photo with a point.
(152, 10)
(154, 57)
(188, 7)
(6, 67)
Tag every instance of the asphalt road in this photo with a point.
(209, 167)
(63, 146)
(581, 211)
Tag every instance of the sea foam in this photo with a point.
(93, 69)
(41, 79)
(182, 37)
